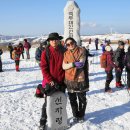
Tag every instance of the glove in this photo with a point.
(38, 92)
(78, 64)
(118, 69)
(52, 83)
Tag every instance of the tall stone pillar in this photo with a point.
(72, 21)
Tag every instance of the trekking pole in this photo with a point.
(93, 63)
(125, 76)
(124, 80)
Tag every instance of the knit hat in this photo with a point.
(108, 48)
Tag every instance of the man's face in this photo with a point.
(54, 42)
(121, 46)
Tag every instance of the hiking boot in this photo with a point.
(73, 121)
(122, 85)
(81, 119)
(119, 85)
(109, 91)
(128, 88)
(42, 127)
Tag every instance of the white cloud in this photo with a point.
(89, 24)
(93, 28)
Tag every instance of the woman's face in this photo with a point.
(54, 42)
(70, 45)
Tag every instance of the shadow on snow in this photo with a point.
(25, 86)
(103, 115)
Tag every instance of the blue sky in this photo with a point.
(36, 17)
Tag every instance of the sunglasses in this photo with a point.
(69, 44)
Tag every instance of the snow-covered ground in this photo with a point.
(20, 110)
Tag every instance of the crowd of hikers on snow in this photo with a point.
(65, 66)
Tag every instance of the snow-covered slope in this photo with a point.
(16, 41)
(39, 39)
(20, 110)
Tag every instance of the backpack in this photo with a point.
(29, 45)
(103, 60)
(114, 55)
(38, 54)
(13, 54)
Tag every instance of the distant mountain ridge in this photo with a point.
(7, 37)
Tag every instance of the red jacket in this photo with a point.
(26, 45)
(53, 71)
(110, 64)
(17, 54)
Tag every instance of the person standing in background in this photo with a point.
(96, 43)
(1, 52)
(16, 56)
(22, 49)
(39, 51)
(127, 65)
(109, 67)
(10, 48)
(119, 57)
(27, 47)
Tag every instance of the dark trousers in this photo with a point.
(128, 79)
(43, 119)
(22, 55)
(11, 54)
(118, 75)
(109, 78)
(17, 62)
(96, 46)
(78, 107)
(0, 65)
(28, 54)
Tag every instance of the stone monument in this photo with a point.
(72, 21)
(56, 111)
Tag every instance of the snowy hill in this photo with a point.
(38, 39)
(20, 110)
(15, 40)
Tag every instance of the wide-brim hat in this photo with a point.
(54, 36)
(108, 48)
